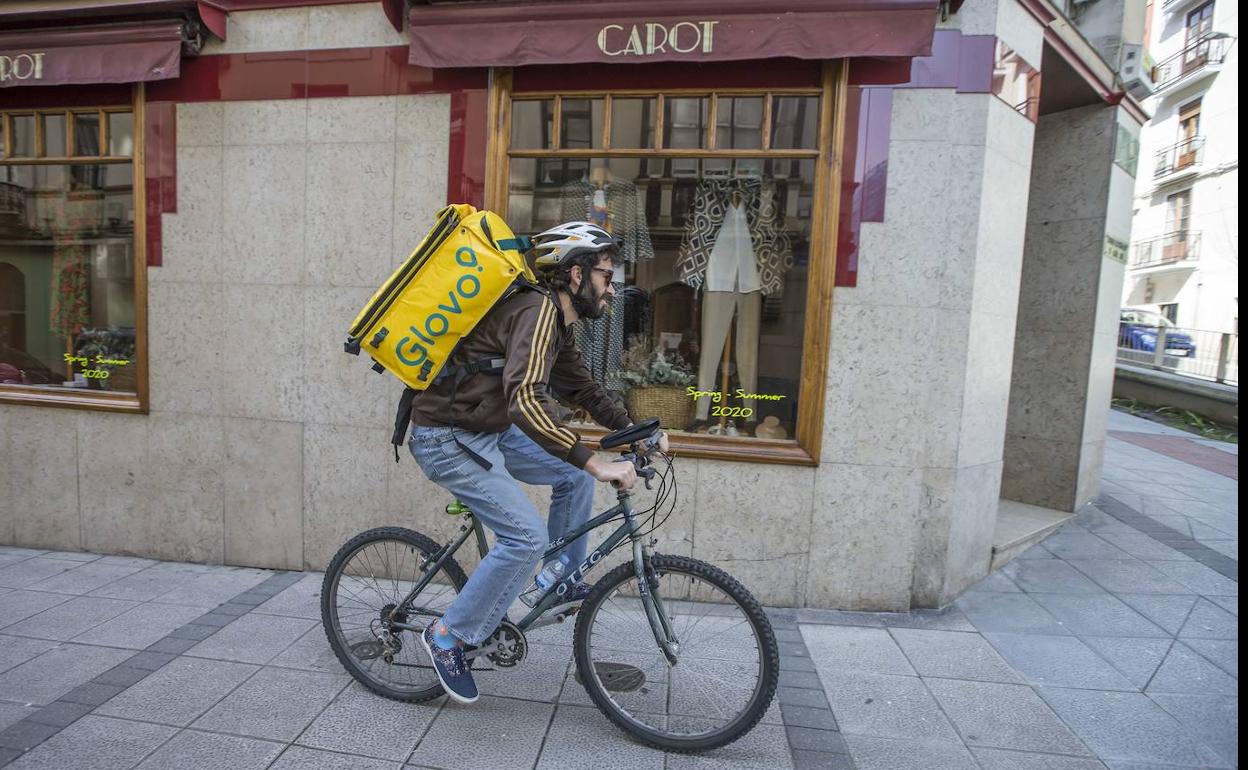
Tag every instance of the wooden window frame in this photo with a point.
(76, 398)
(804, 449)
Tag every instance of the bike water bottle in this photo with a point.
(552, 574)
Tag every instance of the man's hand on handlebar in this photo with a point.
(620, 475)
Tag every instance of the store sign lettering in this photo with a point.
(24, 66)
(654, 38)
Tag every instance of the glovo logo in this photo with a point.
(413, 350)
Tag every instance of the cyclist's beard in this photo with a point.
(587, 303)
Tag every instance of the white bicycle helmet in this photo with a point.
(556, 246)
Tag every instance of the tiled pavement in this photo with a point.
(1112, 644)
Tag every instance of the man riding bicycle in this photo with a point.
(478, 435)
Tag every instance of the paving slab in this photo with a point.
(859, 650)
(1137, 659)
(1209, 621)
(275, 703)
(71, 618)
(16, 650)
(47, 677)
(140, 626)
(1050, 576)
(1185, 671)
(763, 748)
(516, 729)
(1004, 716)
(1060, 661)
(17, 605)
(899, 707)
(871, 753)
(252, 639)
(1009, 613)
(1213, 719)
(1002, 759)
(180, 692)
(301, 758)
(192, 750)
(954, 655)
(361, 722)
(1168, 612)
(1129, 727)
(1097, 615)
(95, 743)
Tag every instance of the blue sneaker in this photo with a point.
(451, 668)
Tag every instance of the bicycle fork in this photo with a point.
(652, 602)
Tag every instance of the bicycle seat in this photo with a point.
(632, 433)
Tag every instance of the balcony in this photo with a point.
(1196, 62)
(1179, 161)
(1173, 251)
(1177, 6)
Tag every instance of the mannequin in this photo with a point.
(733, 293)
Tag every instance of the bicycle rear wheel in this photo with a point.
(368, 577)
(726, 670)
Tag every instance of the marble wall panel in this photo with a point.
(977, 498)
(191, 237)
(874, 407)
(113, 473)
(1071, 175)
(1091, 468)
(1049, 385)
(1100, 386)
(200, 124)
(263, 223)
(423, 119)
(943, 375)
(183, 488)
(1041, 472)
(968, 122)
(922, 115)
(352, 25)
(340, 389)
(344, 487)
(41, 479)
(350, 196)
(265, 122)
(420, 166)
(262, 481)
(754, 521)
(986, 393)
(1060, 283)
(1018, 29)
(1000, 237)
(8, 462)
(283, 29)
(933, 520)
(968, 180)
(262, 364)
(352, 120)
(862, 542)
(186, 326)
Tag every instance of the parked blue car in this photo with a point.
(1138, 329)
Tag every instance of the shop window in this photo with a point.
(714, 197)
(68, 258)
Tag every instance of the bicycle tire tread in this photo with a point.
(754, 611)
(419, 540)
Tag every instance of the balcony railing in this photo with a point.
(1194, 58)
(1184, 155)
(1169, 249)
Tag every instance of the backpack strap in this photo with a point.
(520, 243)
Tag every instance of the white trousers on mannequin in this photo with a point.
(718, 310)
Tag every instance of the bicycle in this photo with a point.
(673, 650)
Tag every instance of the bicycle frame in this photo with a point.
(650, 599)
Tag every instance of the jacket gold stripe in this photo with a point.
(526, 396)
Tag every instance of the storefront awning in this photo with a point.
(479, 33)
(107, 53)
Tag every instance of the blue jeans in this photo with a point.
(500, 504)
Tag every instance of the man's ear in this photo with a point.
(574, 278)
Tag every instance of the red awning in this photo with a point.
(106, 53)
(478, 34)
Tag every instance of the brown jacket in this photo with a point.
(528, 331)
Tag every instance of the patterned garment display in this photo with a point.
(71, 217)
(602, 341)
(772, 248)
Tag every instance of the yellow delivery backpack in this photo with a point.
(467, 263)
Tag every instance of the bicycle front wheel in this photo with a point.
(365, 581)
(726, 668)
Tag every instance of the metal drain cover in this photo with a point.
(618, 677)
